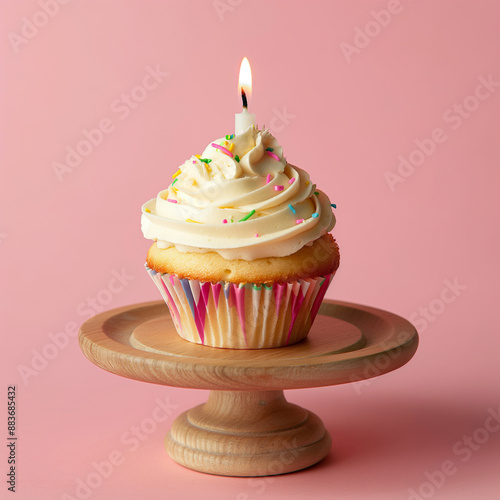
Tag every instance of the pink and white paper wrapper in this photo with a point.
(242, 316)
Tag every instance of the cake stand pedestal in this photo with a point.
(247, 427)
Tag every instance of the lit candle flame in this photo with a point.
(245, 79)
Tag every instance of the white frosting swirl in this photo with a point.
(202, 210)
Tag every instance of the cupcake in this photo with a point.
(242, 253)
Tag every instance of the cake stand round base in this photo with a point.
(257, 433)
(247, 428)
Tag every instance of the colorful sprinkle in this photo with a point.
(333, 205)
(279, 188)
(269, 149)
(194, 162)
(256, 235)
(292, 209)
(299, 221)
(174, 181)
(247, 216)
(176, 174)
(273, 155)
(268, 180)
(315, 215)
(205, 160)
(231, 146)
(229, 137)
(224, 221)
(316, 193)
(171, 201)
(198, 156)
(307, 183)
(223, 149)
(195, 221)
(147, 210)
(291, 181)
(237, 158)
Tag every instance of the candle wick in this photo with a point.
(244, 98)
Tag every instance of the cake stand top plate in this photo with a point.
(348, 342)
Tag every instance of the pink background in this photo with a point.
(347, 120)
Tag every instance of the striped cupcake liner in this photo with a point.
(242, 316)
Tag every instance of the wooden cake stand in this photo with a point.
(247, 428)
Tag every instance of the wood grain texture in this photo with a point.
(347, 342)
(247, 428)
(239, 433)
